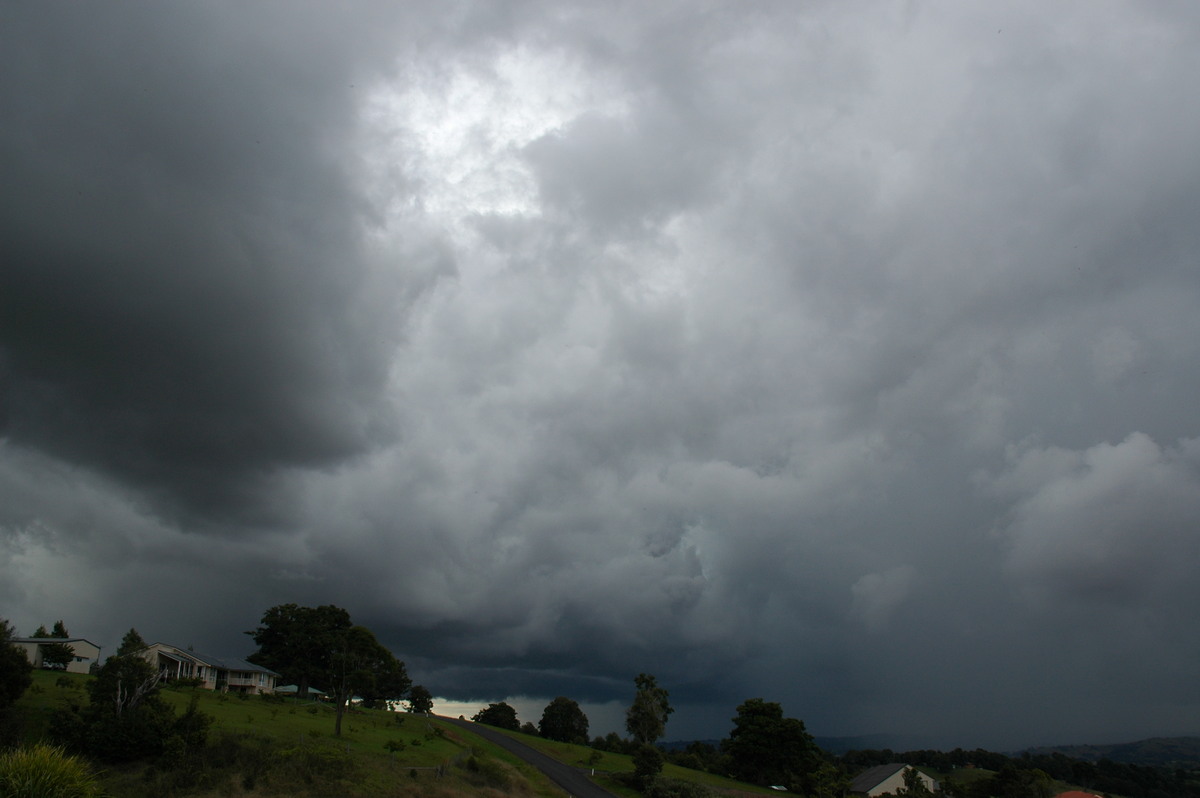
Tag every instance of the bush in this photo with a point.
(43, 771)
(672, 788)
(647, 764)
(486, 773)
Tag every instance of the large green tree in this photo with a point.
(299, 643)
(646, 718)
(563, 720)
(320, 645)
(766, 748)
(500, 715)
(361, 666)
(15, 670)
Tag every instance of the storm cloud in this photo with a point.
(844, 359)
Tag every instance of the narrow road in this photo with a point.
(570, 779)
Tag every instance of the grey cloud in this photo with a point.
(777, 341)
(1108, 524)
(187, 301)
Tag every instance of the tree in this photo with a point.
(41, 632)
(766, 748)
(420, 700)
(57, 656)
(131, 643)
(647, 764)
(320, 644)
(299, 642)
(126, 719)
(914, 785)
(563, 720)
(361, 666)
(500, 715)
(16, 673)
(646, 718)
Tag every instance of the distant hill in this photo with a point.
(833, 745)
(1183, 752)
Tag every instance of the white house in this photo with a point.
(84, 652)
(225, 675)
(886, 780)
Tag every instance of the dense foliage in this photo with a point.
(766, 748)
(126, 719)
(563, 720)
(15, 670)
(500, 715)
(320, 645)
(298, 643)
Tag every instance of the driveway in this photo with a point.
(570, 779)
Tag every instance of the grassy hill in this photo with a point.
(270, 746)
(283, 747)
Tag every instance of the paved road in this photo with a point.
(573, 781)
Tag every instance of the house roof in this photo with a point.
(40, 640)
(222, 663)
(871, 778)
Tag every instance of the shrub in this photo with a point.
(486, 773)
(660, 787)
(43, 771)
(647, 764)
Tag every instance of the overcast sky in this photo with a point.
(844, 355)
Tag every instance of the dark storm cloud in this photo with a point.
(842, 360)
(187, 300)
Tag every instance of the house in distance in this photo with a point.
(84, 653)
(215, 673)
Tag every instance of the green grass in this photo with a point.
(266, 747)
(295, 731)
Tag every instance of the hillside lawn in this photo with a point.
(273, 729)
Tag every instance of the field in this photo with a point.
(284, 747)
(281, 746)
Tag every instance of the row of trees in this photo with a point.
(764, 747)
(563, 720)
